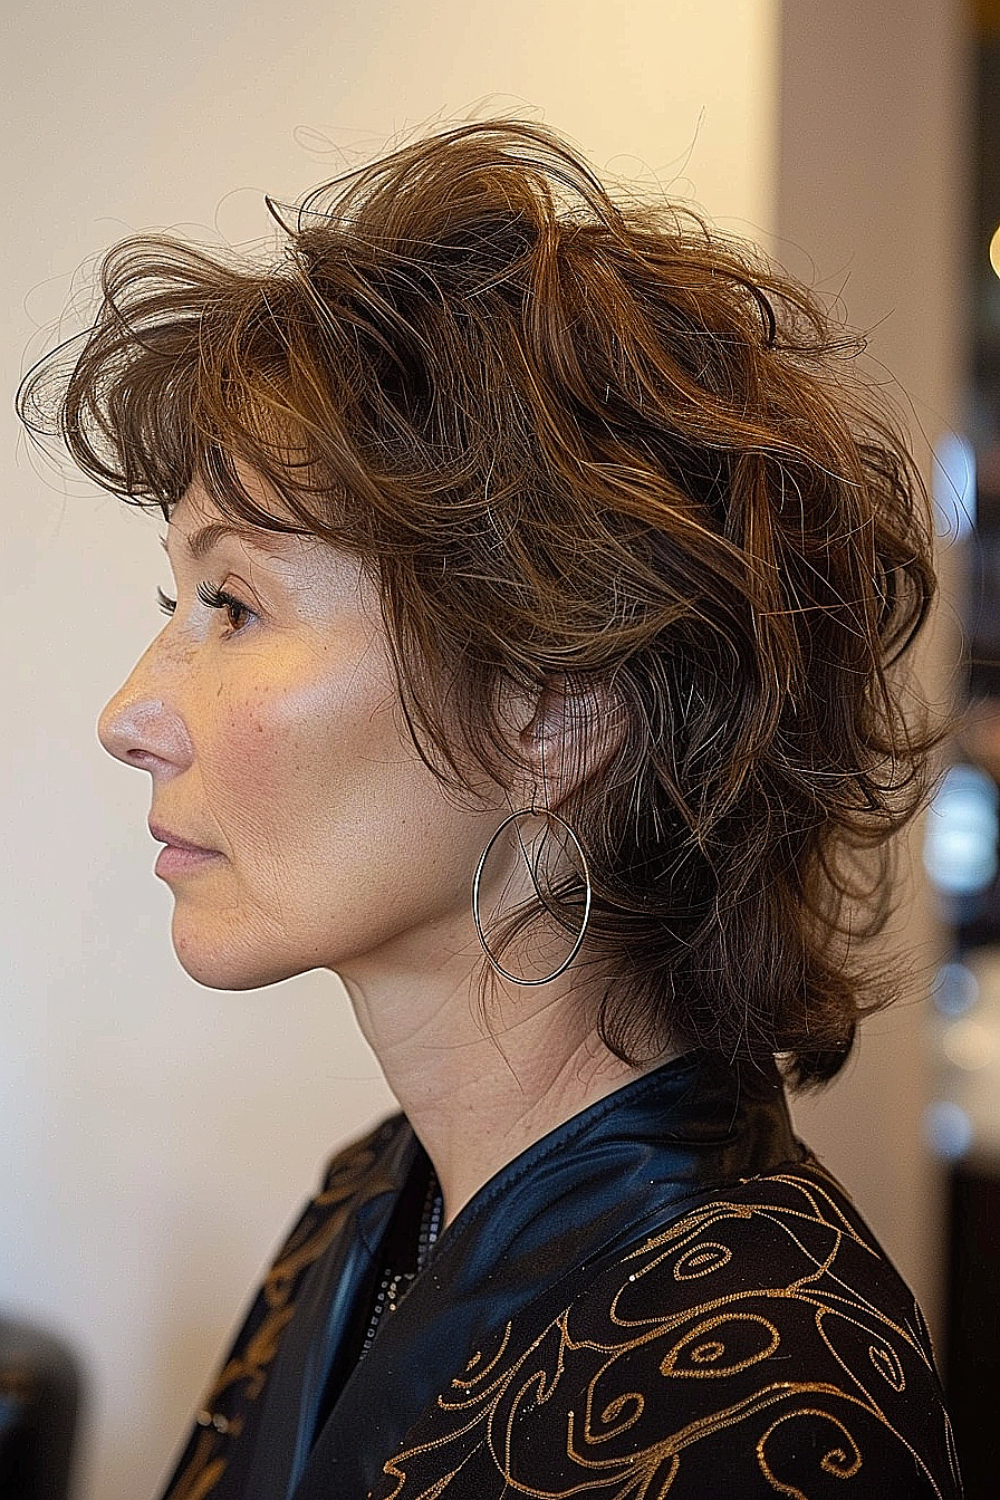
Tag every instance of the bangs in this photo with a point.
(195, 371)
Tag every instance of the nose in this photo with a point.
(142, 725)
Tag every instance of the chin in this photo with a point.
(222, 964)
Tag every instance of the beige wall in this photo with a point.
(156, 1136)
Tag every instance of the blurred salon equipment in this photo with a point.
(39, 1401)
(963, 833)
(963, 1122)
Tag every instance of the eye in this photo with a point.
(237, 613)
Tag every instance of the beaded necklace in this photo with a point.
(393, 1285)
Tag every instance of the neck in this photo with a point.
(478, 1090)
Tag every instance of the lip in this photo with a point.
(180, 856)
(164, 836)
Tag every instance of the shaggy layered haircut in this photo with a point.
(589, 445)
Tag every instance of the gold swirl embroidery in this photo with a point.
(952, 1451)
(705, 1354)
(842, 1462)
(888, 1364)
(874, 1331)
(620, 1414)
(475, 1371)
(614, 1438)
(701, 1260)
(643, 1466)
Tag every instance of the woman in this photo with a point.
(540, 578)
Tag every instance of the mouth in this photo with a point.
(180, 856)
(174, 841)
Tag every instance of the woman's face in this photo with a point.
(272, 731)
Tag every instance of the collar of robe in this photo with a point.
(523, 1247)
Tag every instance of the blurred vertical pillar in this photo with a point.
(871, 203)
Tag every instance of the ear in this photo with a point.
(573, 733)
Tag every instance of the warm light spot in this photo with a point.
(995, 250)
(969, 1045)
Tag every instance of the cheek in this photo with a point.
(294, 753)
(324, 805)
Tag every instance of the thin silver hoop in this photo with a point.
(533, 812)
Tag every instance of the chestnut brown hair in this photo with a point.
(580, 440)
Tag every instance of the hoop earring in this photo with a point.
(477, 878)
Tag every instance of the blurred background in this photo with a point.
(155, 1137)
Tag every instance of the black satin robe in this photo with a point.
(665, 1298)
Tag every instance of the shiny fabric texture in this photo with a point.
(664, 1297)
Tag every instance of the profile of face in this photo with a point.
(267, 714)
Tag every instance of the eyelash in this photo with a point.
(213, 598)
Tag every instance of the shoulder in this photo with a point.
(791, 1232)
(781, 1267)
(762, 1343)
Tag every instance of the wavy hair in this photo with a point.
(580, 440)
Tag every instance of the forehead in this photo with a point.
(197, 525)
(322, 578)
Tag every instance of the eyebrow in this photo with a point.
(201, 542)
